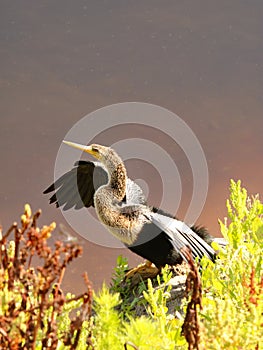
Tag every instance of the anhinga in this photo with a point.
(121, 206)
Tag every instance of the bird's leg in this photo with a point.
(142, 272)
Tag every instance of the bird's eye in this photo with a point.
(95, 149)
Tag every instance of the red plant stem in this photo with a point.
(41, 308)
(11, 228)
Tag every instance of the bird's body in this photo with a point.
(121, 207)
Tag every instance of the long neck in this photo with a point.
(117, 174)
(107, 197)
(122, 223)
(118, 182)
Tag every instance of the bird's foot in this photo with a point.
(142, 272)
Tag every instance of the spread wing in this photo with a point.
(181, 235)
(76, 188)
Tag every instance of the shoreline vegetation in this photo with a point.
(212, 306)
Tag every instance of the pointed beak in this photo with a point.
(83, 148)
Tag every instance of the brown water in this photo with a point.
(62, 60)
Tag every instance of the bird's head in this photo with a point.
(105, 155)
(97, 151)
(109, 158)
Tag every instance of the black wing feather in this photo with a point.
(76, 188)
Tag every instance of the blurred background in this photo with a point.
(61, 60)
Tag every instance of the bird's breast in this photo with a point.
(123, 224)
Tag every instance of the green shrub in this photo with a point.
(233, 302)
(156, 331)
(35, 314)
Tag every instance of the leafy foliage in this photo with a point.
(34, 313)
(224, 308)
(232, 307)
(157, 331)
(108, 330)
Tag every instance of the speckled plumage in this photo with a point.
(121, 206)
